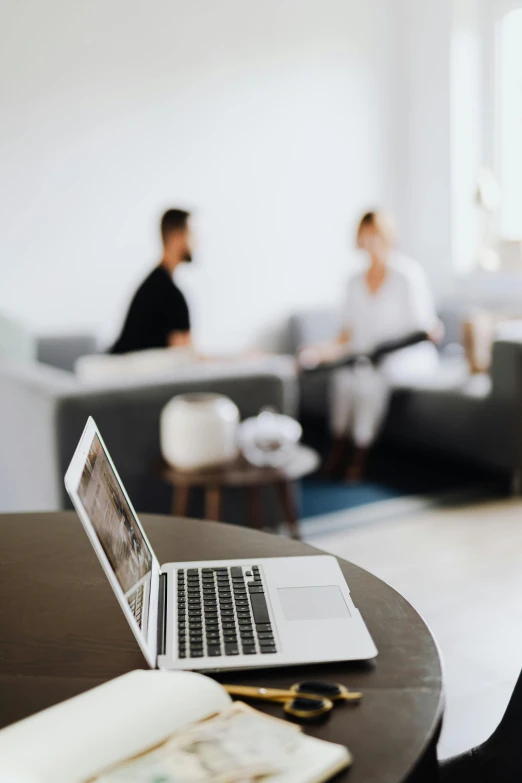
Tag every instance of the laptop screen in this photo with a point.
(112, 519)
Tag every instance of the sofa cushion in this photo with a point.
(62, 351)
(312, 327)
(100, 368)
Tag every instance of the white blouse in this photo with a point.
(402, 305)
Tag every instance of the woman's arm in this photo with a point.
(315, 354)
(324, 352)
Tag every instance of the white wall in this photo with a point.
(466, 133)
(275, 121)
(449, 77)
(426, 196)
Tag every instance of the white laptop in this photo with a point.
(219, 614)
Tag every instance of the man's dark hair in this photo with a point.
(173, 220)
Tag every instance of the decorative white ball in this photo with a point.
(199, 431)
(269, 439)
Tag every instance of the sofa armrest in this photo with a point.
(506, 370)
(29, 398)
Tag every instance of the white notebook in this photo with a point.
(80, 738)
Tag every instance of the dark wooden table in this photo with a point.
(250, 478)
(62, 632)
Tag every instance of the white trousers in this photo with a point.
(359, 396)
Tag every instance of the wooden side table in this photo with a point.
(251, 478)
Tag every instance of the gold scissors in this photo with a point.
(305, 700)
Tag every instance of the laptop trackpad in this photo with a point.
(313, 603)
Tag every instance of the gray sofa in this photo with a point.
(43, 410)
(477, 418)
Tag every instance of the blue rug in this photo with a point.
(321, 496)
(398, 479)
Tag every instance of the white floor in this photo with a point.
(462, 569)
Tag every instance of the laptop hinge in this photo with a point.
(162, 614)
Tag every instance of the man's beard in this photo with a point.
(187, 256)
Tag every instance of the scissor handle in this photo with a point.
(333, 691)
(268, 694)
(305, 706)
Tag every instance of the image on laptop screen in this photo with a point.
(112, 519)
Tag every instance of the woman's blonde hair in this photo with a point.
(383, 223)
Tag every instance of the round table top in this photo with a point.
(241, 473)
(63, 632)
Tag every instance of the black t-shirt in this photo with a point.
(157, 309)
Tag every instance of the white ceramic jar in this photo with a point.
(199, 431)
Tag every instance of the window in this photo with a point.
(509, 120)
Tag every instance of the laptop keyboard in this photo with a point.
(223, 611)
(136, 603)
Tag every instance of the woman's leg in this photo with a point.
(341, 415)
(370, 402)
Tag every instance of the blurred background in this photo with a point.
(277, 123)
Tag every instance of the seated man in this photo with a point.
(158, 315)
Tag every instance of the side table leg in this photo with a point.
(180, 500)
(286, 494)
(253, 497)
(213, 504)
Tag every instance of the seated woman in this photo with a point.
(388, 300)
